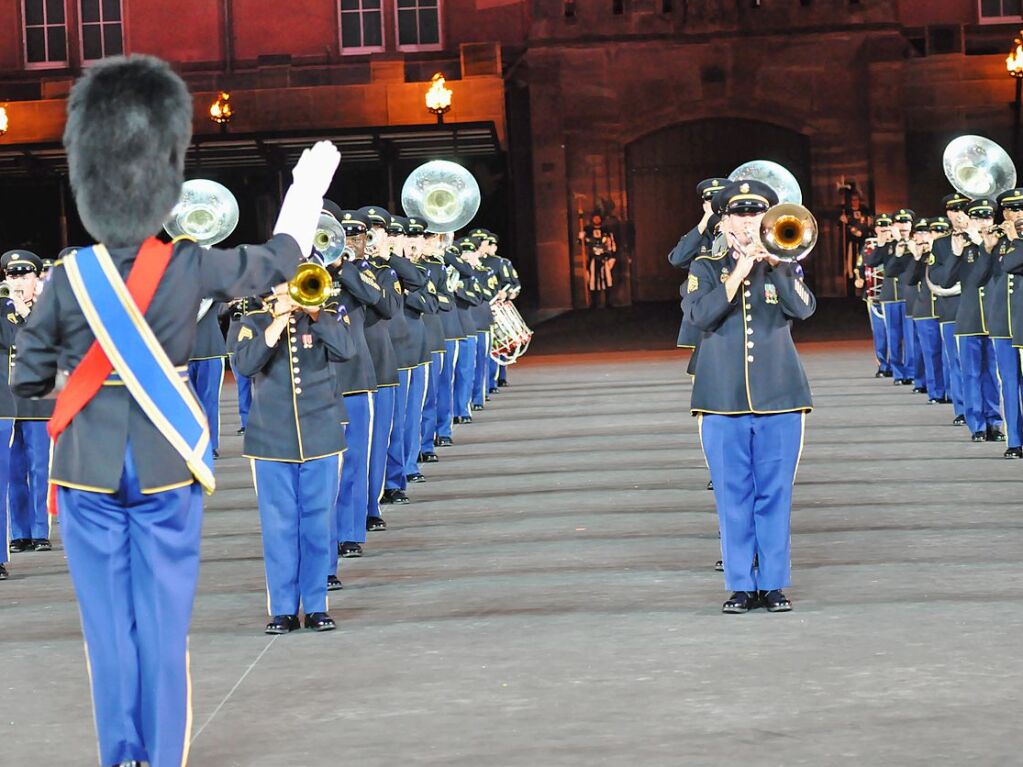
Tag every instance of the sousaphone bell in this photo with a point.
(329, 239)
(442, 193)
(978, 167)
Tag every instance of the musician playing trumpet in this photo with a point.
(750, 394)
(295, 438)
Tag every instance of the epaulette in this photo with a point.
(709, 256)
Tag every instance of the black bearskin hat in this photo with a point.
(129, 123)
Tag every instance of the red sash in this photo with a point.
(87, 379)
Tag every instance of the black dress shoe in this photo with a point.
(4, 575)
(710, 484)
(979, 436)
(417, 477)
(462, 419)
(994, 434)
(879, 373)
(240, 431)
(334, 583)
(394, 496)
(349, 550)
(919, 389)
(216, 454)
(887, 374)
(902, 382)
(428, 458)
(42, 544)
(19, 545)
(283, 624)
(741, 602)
(502, 384)
(319, 622)
(494, 390)
(443, 442)
(719, 566)
(375, 524)
(959, 420)
(945, 400)
(477, 408)
(775, 601)
(1013, 452)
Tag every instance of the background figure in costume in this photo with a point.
(601, 256)
(130, 503)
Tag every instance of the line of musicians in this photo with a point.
(946, 317)
(378, 375)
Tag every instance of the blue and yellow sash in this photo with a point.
(139, 360)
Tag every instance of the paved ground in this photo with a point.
(548, 599)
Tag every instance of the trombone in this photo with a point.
(788, 232)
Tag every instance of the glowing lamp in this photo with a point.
(220, 110)
(438, 97)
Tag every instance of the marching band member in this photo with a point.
(206, 369)
(924, 314)
(121, 318)
(467, 297)
(971, 266)
(904, 224)
(30, 444)
(998, 297)
(236, 310)
(751, 395)
(385, 364)
(869, 279)
(455, 340)
(6, 432)
(436, 327)
(418, 302)
(890, 254)
(295, 439)
(358, 292)
(1012, 264)
(483, 314)
(507, 289)
(948, 300)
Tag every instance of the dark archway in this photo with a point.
(664, 168)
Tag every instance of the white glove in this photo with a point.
(300, 211)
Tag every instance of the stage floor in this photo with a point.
(548, 599)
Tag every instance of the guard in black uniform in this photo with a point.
(751, 395)
(30, 445)
(295, 438)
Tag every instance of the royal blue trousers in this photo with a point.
(879, 334)
(207, 377)
(928, 340)
(134, 563)
(465, 375)
(383, 415)
(502, 374)
(413, 432)
(895, 326)
(244, 394)
(6, 434)
(29, 473)
(980, 382)
(950, 364)
(1007, 366)
(296, 507)
(479, 388)
(753, 460)
(446, 390)
(914, 356)
(430, 410)
(353, 498)
(396, 441)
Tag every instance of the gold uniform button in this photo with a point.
(749, 318)
(749, 331)
(747, 294)
(298, 390)
(745, 282)
(749, 358)
(294, 359)
(297, 380)
(749, 345)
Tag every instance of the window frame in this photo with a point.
(982, 19)
(418, 47)
(361, 50)
(101, 23)
(37, 65)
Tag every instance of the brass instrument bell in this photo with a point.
(329, 239)
(978, 167)
(311, 286)
(206, 212)
(442, 193)
(5, 289)
(788, 232)
(776, 176)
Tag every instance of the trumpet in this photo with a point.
(5, 289)
(311, 286)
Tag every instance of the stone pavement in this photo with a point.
(548, 599)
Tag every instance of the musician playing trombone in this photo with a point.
(750, 394)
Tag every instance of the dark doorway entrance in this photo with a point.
(663, 170)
